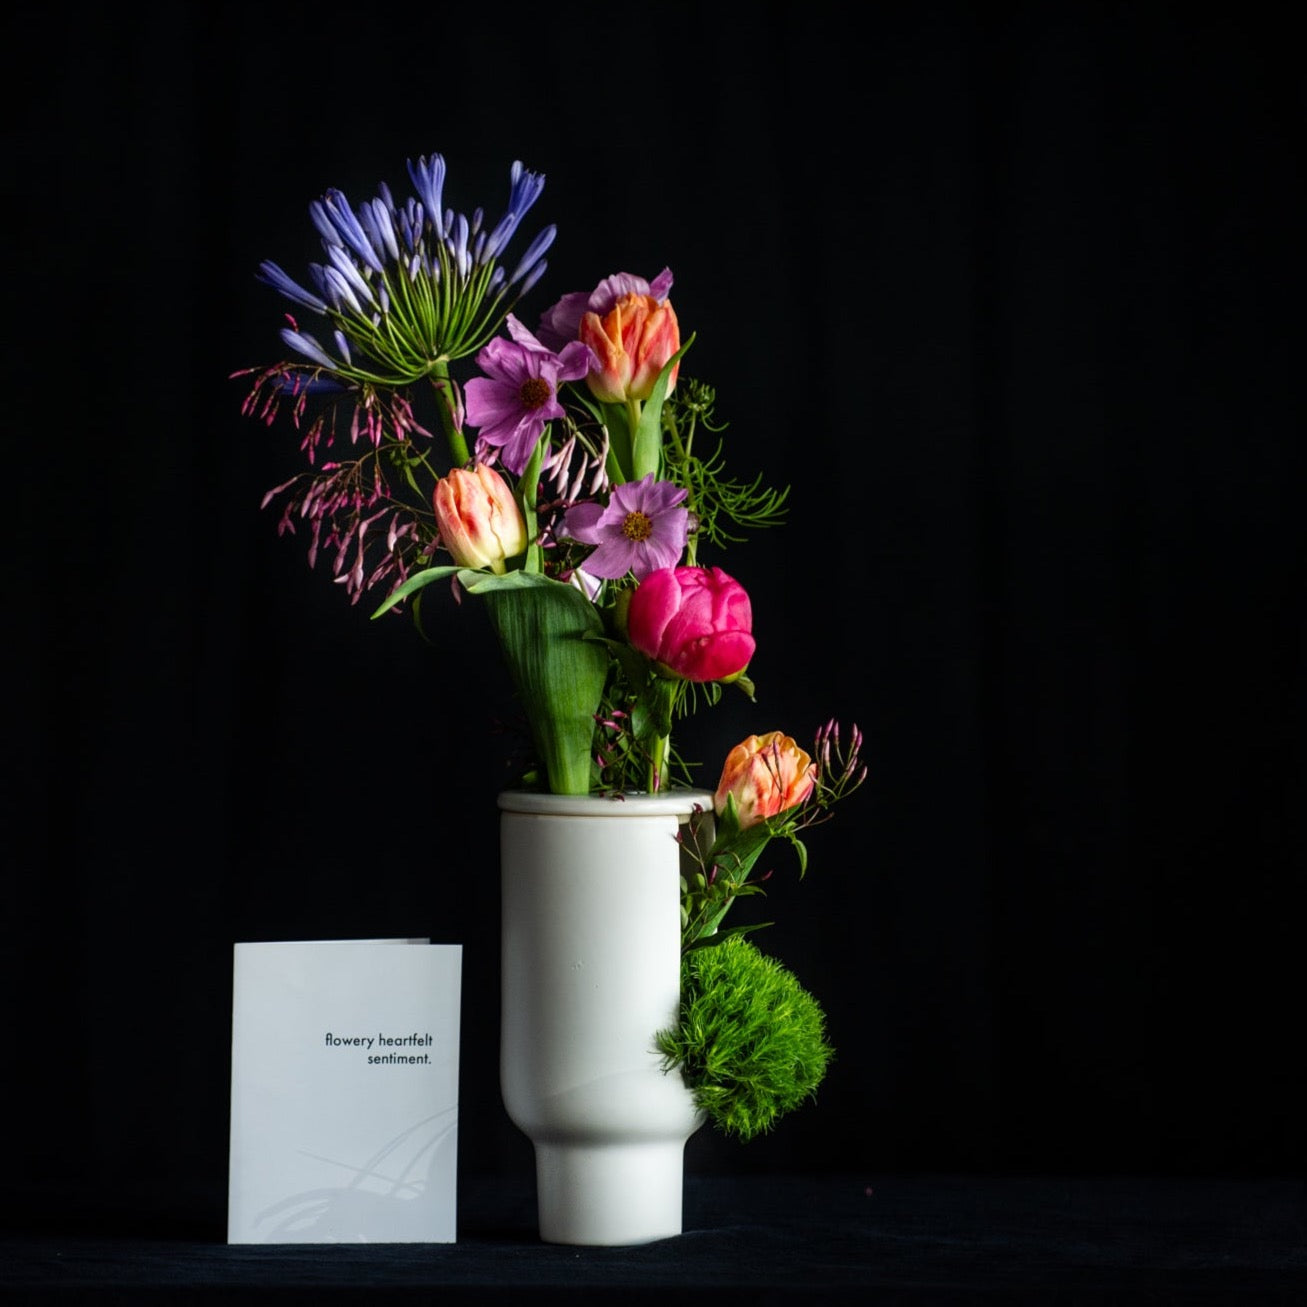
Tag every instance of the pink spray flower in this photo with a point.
(696, 621)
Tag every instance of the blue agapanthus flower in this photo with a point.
(406, 288)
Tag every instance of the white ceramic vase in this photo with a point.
(591, 956)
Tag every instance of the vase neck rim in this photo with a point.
(673, 803)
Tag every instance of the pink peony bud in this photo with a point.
(696, 621)
(479, 520)
(633, 343)
(768, 774)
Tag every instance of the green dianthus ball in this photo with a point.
(751, 1041)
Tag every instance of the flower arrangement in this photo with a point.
(574, 485)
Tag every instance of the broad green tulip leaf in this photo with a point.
(545, 629)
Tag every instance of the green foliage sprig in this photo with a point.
(714, 498)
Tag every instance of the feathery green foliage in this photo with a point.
(750, 1042)
(714, 498)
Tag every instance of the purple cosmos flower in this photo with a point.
(641, 529)
(519, 393)
(562, 322)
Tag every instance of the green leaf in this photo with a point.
(802, 850)
(414, 583)
(527, 484)
(635, 666)
(728, 822)
(546, 631)
(707, 941)
(619, 442)
(653, 707)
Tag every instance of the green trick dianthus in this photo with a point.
(750, 1042)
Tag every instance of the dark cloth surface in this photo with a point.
(917, 1239)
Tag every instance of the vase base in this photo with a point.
(609, 1194)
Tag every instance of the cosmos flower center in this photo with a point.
(534, 393)
(637, 526)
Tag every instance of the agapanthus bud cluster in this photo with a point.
(405, 287)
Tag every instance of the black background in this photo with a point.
(1011, 295)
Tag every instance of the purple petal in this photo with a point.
(487, 403)
(575, 361)
(504, 360)
(648, 496)
(520, 445)
(521, 334)
(661, 286)
(561, 324)
(658, 553)
(611, 289)
(581, 522)
(614, 558)
(502, 432)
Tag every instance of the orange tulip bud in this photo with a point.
(480, 522)
(633, 343)
(767, 774)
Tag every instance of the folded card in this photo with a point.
(344, 1092)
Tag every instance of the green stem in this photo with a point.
(679, 448)
(613, 467)
(528, 488)
(681, 451)
(639, 468)
(447, 403)
(660, 757)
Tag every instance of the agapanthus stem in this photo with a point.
(447, 403)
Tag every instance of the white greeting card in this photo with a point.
(344, 1092)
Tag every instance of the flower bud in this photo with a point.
(768, 775)
(633, 343)
(696, 621)
(479, 520)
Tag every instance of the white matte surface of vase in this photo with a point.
(591, 958)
